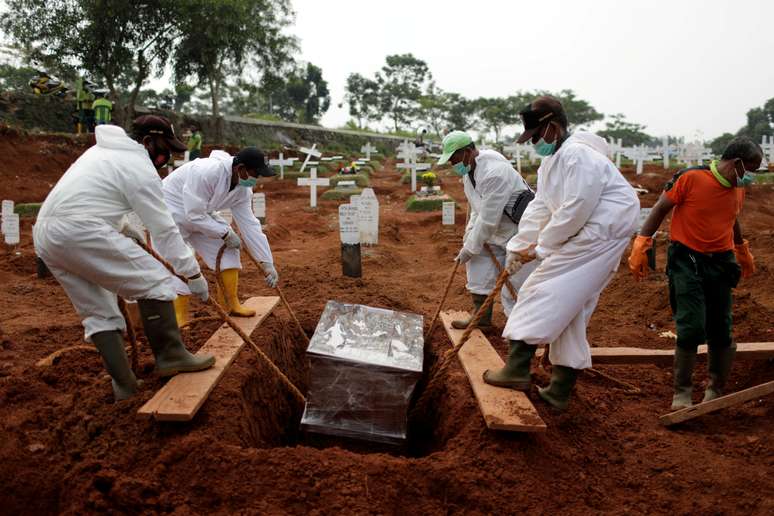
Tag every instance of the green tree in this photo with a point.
(460, 112)
(760, 122)
(15, 78)
(220, 38)
(401, 83)
(629, 132)
(579, 112)
(432, 108)
(719, 144)
(495, 113)
(308, 94)
(362, 97)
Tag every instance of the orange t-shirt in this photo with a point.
(705, 211)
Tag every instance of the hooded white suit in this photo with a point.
(76, 232)
(496, 181)
(581, 221)
(200, 187)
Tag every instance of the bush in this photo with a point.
(28, 209)
(360, 180)
(337, 195)
(426, 204)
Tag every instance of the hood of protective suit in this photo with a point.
(592, 140)
(224, 157)
(114, 137)
(490, 156)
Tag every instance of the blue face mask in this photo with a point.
(746, 180)
(461, 168)
(543, 148)
(249, 182)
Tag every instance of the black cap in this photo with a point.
(157, 125)
(542, 110)
(253, 159)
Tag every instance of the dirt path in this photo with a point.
(65, 448)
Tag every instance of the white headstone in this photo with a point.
(767, 144)
(447, 213)
(309, 153)
(259, 205)
(349, 229)
(354, 200)
(313, 182)
(368, 217)
(7, 208)
(10, 226)
(281, 162)
(368, 149)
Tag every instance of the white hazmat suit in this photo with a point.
(581, 221)
(77, 232)
(495, 182)
(199, 188)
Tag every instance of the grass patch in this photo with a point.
(360, 180)
(427, 203)
(338, 195)
(765, 178)
(27, 209)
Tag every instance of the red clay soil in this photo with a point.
(66, 448)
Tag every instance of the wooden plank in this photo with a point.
(624, 355)
(503, 409)
(182, 397)
(722, 402)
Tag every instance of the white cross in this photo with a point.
(767, 144)
(695, 151)
(616, 147)
(368, 149)
(281, 162)
(665, 150)
(313, 181)
(515, 151)
(639, 155)
(414, 167)
(309, 153)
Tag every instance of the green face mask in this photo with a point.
(461, 168)
(543, 148)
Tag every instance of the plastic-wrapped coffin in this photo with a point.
(365, 363)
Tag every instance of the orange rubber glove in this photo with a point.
(745, 258)
(638, 260)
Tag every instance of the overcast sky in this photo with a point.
(679, 66)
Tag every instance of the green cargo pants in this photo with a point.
(700, 294)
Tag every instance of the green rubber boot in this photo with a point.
(160, 324)
(719, 367)
(486, 319)
(683, 378)
(515, 373)
(559, 390)
(110, 345)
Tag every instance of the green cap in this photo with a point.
(453, 142)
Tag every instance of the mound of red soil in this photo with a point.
(64, 447)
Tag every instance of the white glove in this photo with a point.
(130, 232)
(272, 276)
(199, 287)
(513, 263)
(464, 256)
(232, 239)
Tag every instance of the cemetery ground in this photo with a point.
(65, 447)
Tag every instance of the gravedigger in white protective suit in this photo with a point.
(198, 189)
(78, 234)
(579, 225)
(497, 195)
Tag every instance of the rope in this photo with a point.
(436, 378)
(130, 333)
(499, 268)
(630, 387)
(443, 300)
(228, 320)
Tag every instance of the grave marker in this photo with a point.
(10, 227)
(694, 151)
(448, 213)
(767, 144)
(309, 153)
(367, 149)
(368, 217)
(665, 149)
(313, 182)
(7, 208)
(639, 155)
(349, 231)
(616, 147)
(354, 200)
(259, 206)
(281, 162)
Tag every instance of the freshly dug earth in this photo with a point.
(65, 447)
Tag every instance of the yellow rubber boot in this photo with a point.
(182, 313)
(230, 279)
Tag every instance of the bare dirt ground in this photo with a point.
(65, 448)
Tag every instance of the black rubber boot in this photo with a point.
(110, 345)
(683, 378)
(559, 390)
(160, 323)
(719, 367)
(486, 319)
(515, 374)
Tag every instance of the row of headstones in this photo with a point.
(9, 223)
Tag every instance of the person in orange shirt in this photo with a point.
(705, 260)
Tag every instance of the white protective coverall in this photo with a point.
(200, 187)
(496, 181)
(581, 220)
(77, 232)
